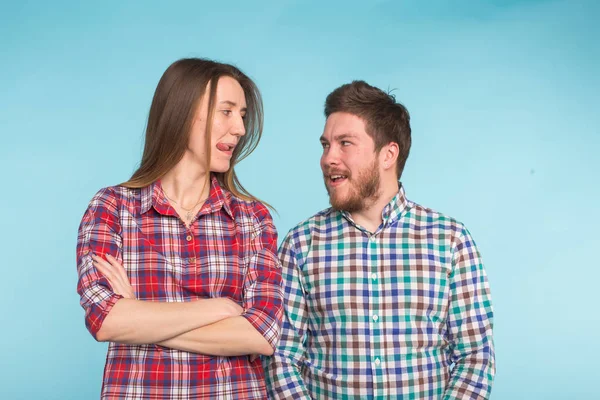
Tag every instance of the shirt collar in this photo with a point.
(217, 199)
(153, 196)
(395, 209)
(392, 212)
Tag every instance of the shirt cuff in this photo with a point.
(96, 313)
(266, 324)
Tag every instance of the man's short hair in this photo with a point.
(385, 119)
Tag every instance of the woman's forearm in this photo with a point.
(233, 336)
(143, 322)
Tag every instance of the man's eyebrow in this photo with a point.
(342, 136)
(231, 103)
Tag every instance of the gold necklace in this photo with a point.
(188, 213)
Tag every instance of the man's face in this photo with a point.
(349, 163)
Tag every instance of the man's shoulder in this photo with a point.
(421, 215)
(304, 230)
(315, 221)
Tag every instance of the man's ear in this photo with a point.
(389, 155)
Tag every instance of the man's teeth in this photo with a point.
(336, 177)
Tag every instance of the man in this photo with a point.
(384, 298)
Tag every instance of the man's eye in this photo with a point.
(345, 143)
(324, 145)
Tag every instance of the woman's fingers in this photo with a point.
(116, 275)
(105, 268)
(119, 269)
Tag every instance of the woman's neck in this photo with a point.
(186, 183)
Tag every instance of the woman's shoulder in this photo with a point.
(115, 195)
(253, 208)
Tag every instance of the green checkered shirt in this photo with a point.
(402, 313)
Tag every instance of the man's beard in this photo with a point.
(362, 191)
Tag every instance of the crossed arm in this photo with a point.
(210, 326)
(216, 326)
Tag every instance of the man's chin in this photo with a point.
(331, 192)
(333, 201)
(337, 203)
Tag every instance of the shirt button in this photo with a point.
(375, 317)
(377, 361)
(374, 277)
(188, 238)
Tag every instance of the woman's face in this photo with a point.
(227, 127)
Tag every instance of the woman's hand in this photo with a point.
(116, 275)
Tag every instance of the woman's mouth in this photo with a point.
(226, 148)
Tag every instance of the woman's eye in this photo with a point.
(227, 112)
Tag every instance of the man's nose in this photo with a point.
(330, 156)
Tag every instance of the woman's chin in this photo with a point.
(220, 168)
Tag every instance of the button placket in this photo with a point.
(374, 315)
(190, 251)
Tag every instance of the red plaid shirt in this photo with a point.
(229, 251)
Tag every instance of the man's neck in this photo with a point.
(370, 216)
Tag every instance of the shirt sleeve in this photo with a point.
(283, 369)
(99, 233)
(262, 289)
(469, 325)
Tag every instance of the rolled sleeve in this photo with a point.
(470, 323)
(263, 295)
(99, 233)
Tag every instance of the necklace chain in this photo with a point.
(188, 213)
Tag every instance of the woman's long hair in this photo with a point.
(176, 99)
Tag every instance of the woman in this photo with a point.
(177, 266)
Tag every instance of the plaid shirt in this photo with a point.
(229, 251)
(403, 313)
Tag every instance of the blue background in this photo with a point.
(504, 99)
